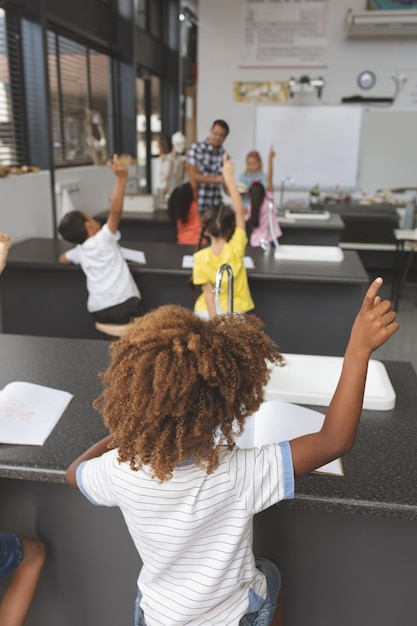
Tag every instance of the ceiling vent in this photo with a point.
(399, 23)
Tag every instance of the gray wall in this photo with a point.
(220, 26)
(387, 156)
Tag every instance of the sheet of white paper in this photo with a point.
(29, 412)
(188, 261)
(277, 421)
(137, 256)
(248, 262)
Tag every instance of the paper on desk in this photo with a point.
(277, 421)
(137, 256)
(188, 261)
(29, 412)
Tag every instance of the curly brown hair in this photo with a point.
(178, 387)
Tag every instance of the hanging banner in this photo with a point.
(284, 33)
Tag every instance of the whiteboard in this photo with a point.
(313, 144)
(389, 153)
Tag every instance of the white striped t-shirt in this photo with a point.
(194, 531)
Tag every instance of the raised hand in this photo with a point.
(375, 322)
(228, 166)
(119, 168)
(4, 249)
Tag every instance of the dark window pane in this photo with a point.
(155, 18)
(140, 13)
(74, 90)
(98, 124)
(173, 26)
(141, 132)
(156, 126)
(7, 129)
(80, 89)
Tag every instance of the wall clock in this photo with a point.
(366, 79)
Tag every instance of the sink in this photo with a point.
(327, 254)
(310, 379)
(138, 203)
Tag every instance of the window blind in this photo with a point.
(12, 134)
(80, 92)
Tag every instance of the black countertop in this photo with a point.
(166, 258)
(160, 217)
(373, 208)
(68, 364)
(380, 471)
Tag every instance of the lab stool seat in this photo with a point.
(113, 330)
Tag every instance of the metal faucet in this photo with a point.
(271, 229)
(223, 268)
(290, 181)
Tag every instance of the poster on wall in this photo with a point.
(275, 91)
(391, 5)
(284, 33)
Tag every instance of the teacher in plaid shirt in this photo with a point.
(205, 160)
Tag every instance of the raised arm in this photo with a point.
(201, 178)
(208, 289)
(373, 326)
(270, 176)
(5, 246)
(236, 198)
(116, 206)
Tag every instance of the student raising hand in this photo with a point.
(236, 198)
(228, 166)
(118, 167)
(373, 326)
(4, 249)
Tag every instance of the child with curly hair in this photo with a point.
(176, 394)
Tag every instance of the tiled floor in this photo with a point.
(403, 345)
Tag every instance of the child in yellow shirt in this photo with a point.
(226, 229)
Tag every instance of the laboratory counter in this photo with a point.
(307, 307)
(156, 226)
(340, 538)
(376, 480)
(346, 546)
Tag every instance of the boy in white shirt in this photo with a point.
(113, 296)
(176, 393)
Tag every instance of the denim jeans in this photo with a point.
(11, 553)
(262, 617)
